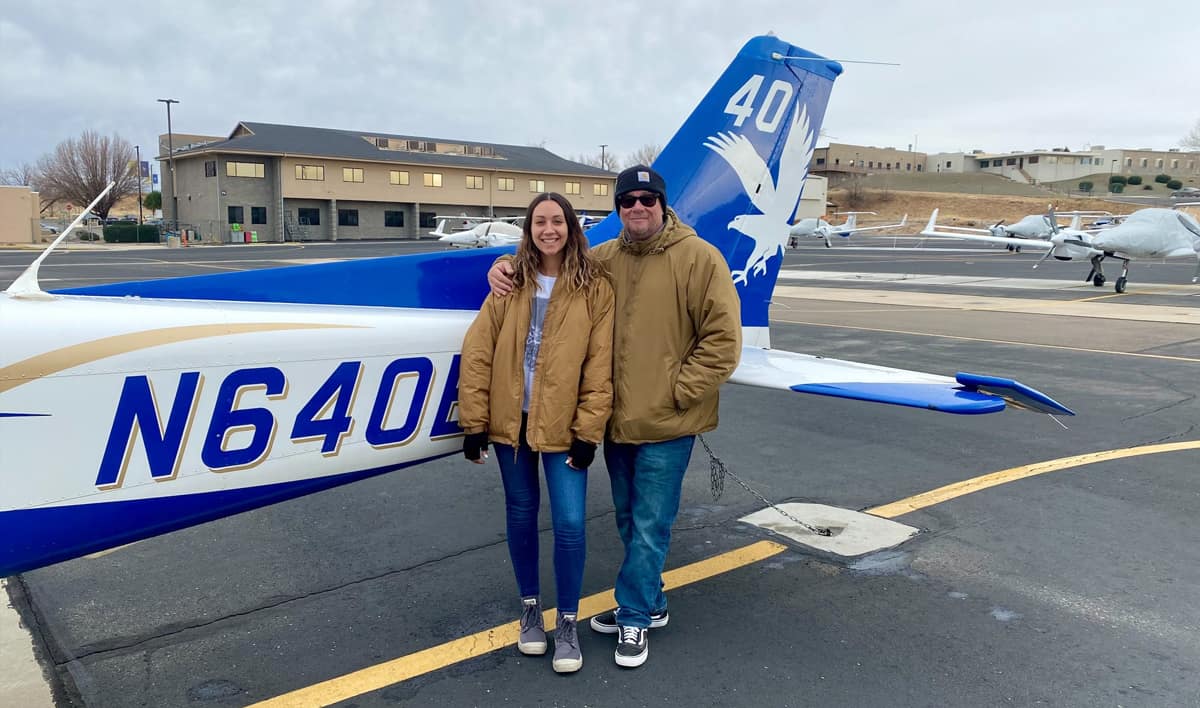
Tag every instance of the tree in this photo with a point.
(604, 160)
(153, 200)
(645, 155)
(24, 175)
(1191, 141)
(80, 168)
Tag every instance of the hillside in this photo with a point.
(957, 209)
(958, 183)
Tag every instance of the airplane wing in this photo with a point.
(933, 230)
(964, 394)
(860, 229)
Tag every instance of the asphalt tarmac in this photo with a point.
(1075, 587)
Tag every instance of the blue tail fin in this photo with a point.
(736, 168)
(734, 172)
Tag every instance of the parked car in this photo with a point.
(49, 227)
(1186, 193)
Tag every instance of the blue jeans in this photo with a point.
(567, 489)
(646, 483)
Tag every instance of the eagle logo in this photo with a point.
(775, 199)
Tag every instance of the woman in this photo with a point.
(536, 380)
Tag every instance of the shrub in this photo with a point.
(1174, 184)
(1116, 188)
(130, 233)
(1085, 186)
(1119, 179)
(1147, 186)
(1135, 179)
(87, 235)
(1162, 179)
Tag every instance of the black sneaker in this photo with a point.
(607, 622)
(633, 647)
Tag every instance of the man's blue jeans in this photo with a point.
(567, 489)
(646, 483)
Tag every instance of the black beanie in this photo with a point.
(640, 177)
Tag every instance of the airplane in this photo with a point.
(1033, 226)
(823, 229)
(132, 409)
(1151, 233)
(487, 231)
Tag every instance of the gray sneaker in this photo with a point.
(607, 622)
(633, 647)
(567, 657)
(533, 635)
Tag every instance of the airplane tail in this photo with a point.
(735, 160)
(738, 162)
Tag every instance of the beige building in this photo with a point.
(839, 160)
(20, 210)
(1038, 166)
(282, 182)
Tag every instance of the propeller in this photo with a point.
(998, 229)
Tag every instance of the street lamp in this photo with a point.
(138, 150)
(603, 162)
(171, 161)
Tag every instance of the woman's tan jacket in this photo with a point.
(571, 396)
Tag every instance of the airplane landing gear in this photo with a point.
(1097, 274)
(1124, 279)
(1098, 280)
(1120, 286)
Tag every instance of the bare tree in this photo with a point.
(80, 168)
(1191, 141)
(604, 160)
(24, 175)
(645, 155)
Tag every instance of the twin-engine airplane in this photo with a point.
(487, 232)
(822, 229)
(1145, 234)
(132, 409)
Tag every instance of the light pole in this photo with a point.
(603, 162)
(171, 162)
(138, 150)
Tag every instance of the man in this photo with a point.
(676, 339)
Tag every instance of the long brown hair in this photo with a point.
(579, 267)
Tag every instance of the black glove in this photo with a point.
(581, 455)
(474, 444)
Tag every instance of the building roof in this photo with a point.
(297, 140)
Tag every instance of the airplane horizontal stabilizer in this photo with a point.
(967, 395)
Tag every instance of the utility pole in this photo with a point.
(171, 161)
(138, 150)
(603, 161)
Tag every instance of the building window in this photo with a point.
(1158, 162)
(1033, 159)
(1011, 161)
(347, 217)
(258, 215)
(474, 182)
(316, 172)
(210, 168)
(506, 184)
(949, 164)
(600, 189)
(537, 185)
(1174, 164)
(1145, 162)
(572, 188)
(237, 215)
(309, 217)
(433, 179)
(245, 169)
(820, 161)
(427, 219)
(352, 174)
(398, 177)
(1129, 162)
(393, 219)
(837, 161)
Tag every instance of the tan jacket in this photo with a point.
(678, 333)
(571, 394)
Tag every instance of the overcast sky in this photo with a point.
(1013, 75)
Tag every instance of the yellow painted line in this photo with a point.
(404, 668)
(1165, 357)
(969, 486)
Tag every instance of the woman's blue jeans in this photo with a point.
(647, 480)
(567, 489)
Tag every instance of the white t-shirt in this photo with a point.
(533, 341)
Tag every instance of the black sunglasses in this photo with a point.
(647, 200)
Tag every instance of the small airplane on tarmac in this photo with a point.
(132, 409)
(1033, 226)
(487, 231)
(1152, 233)
(823, 229)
